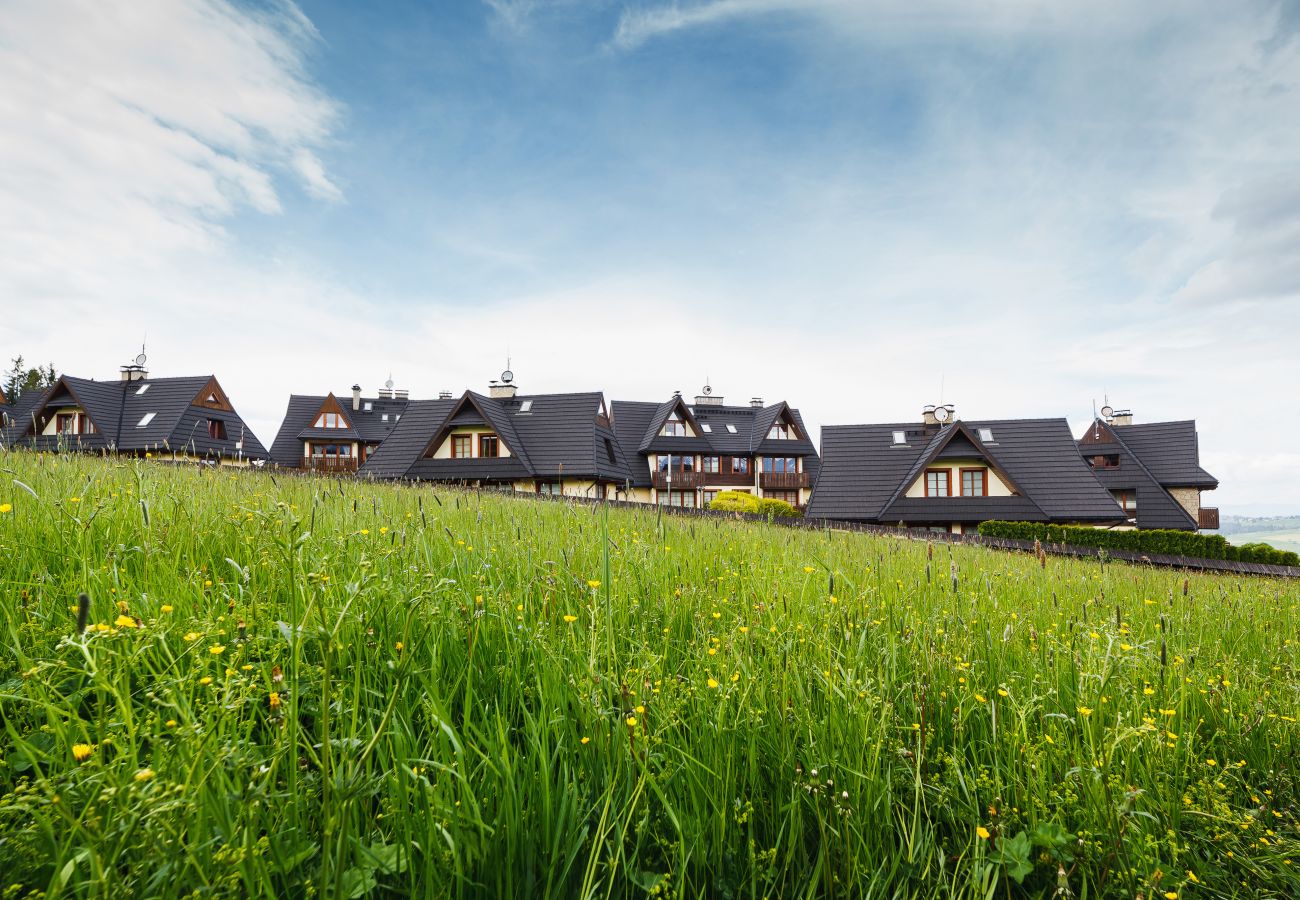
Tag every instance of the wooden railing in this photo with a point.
(1208, 517)
(779, 481)
(681, 481)
(330, 465)
(741, 479)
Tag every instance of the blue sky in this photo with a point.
(859, 206)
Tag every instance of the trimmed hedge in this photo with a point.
(744, 502)
(1155, 540)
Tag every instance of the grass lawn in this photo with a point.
(292, 687)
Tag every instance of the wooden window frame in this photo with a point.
(551, 488)
(1127, 500)
(946, 473)
(984, 480)
(717, 465)
(740, 465)
(456, 443)
(674, 426)
(706, 499)
(217, 429)
(789, 465)
(483, 439)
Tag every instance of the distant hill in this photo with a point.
(1283, 532)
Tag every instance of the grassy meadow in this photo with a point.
(291, 687)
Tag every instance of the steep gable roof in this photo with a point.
(1156, 507)
(1169, 450)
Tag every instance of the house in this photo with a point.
(558, 444)
(949, 475)
(186, 418)
(324, 434)
(685, 454)
(1152, 469)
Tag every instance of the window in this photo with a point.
(1106, 461)
(66, 423)
(330, 420)
(609, 450)
(986, 435)
(685, 499)
(526, 406)
(369, 406)
(674, 427)
(791, 497)
(331, 451)
(974, 483)
(141, 389)
(731, 429)
(707, 497)
(780, 432)
(667, 462)
(706, 428)
(489, 445)
(938, 483)
(780, 464)
(711, 464)
(1128, 500)
(550, 488)
(383, 417)
(462, 446)
(739, 464)
(216, 429)
(145, 420)
(900, 437)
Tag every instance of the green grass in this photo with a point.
(438, 693)
(1282, 540)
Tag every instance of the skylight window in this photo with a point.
(525, 406)
(900, 437)
(731, 429)
(148, 417)
(140, 390)
(369, 406)
(986, 434)
(384, 417)
(708, 429)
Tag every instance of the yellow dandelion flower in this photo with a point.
(166, 607)
(1002, 692)
(365, 531)
(1171, 895)
(1085, 711)
(124, 621)
(81, 752)
(207, 582)
(1049, 739)
(744, 629)
(399, 646)
(144, 775)
(1211, 762)
(981, 698)
(6, 507)
(713, 683)
(593, 584)
(383, 529)
(192, 636)
(983, 832)
(586, 740)
(216, 649)
(171, 723)
(809, 569)
(273, 700)
(570, 619)
(631, 721)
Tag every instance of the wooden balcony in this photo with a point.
(739, 479)
(330, 465)
(1208, 517)
(681, 481)
(782, 481)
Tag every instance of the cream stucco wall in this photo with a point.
(52, 426)
(997, 487)
(444, 449)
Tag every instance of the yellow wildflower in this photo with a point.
(6, 507)
(1085, 711)
(983, 832)
(125, 621)
(144, 774)
(631, 721)
(166, 607)
(81, 752)
(586, 740)
(593, 584)
(570, 619)
(217, 649)
(713, 683)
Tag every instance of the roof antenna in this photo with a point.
(1096, 429)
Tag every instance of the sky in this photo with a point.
(1022, 207)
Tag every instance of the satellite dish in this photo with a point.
(707, 390)
(941, 413)
(389, 383)
(507, 376)
(141, 360)
(1107, 411)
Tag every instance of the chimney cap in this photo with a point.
(356, 387)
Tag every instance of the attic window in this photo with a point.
(329, 420)
(706, 427)
(986, 435)
(900, 437)
(148, 417)
(212, 398)
(140, 390)
(673, 427)
(731, 428)
(384, 417)
(526, 406)
(369, 406)
(780, 432)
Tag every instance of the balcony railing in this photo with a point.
(330, 465)
(743, 479)
(783, 481)
(1208, 517)
(681, 481)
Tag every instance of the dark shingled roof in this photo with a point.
(865, 476)
(559, 434)
(1168, 457)
(368, 426)
(166, 416)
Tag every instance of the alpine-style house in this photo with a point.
(950, 475)
(181, 418)
(1153, 470)
(322, 434)
(685, 455)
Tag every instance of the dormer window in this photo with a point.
(974, 483)
(489, 445)
(216, 429)
(779, 432)
(330, 420)
(938, 483)
(674, 427)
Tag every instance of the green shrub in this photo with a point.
(1166, 542)
(735, 501)
(777, 509)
